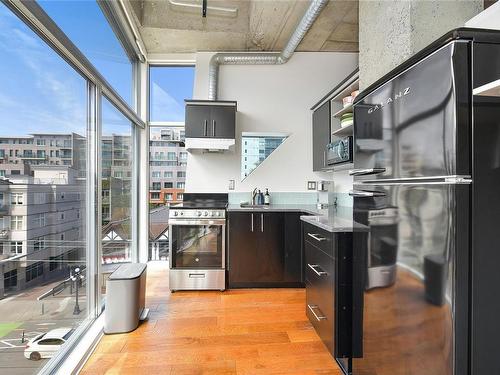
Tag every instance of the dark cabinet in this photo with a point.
(197, 118)
(223, 121)
(261, 252)
(320, 135)
(210, 119)
(271, 252)
(242, 247)
(328, 278)
(293, 251)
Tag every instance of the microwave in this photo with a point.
(339, 151)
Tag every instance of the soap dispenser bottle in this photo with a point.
(260, 198)
(267, 198)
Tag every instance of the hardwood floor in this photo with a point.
(259, 331)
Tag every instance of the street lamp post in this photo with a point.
(76, 276)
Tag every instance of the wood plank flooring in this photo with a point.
(251, 331)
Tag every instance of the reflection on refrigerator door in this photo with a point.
(407, 294)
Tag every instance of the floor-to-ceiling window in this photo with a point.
(61, 122)
(116, 186)
(169, 86)
(85, 24)
(43, 154)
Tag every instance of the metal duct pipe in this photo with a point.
(263, 58)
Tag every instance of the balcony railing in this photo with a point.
(33, 156)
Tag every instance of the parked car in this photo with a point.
(47, 344)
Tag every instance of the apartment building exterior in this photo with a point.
(17, 153)
(42, 226)
(42, 179)
(116, 175)
(168, 160)
(256, 149)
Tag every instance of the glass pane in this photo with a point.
(169, 86)
(43, 157)
(87, 27)
(116, 188)
(167, 176)
(197, 246)
(255, 148)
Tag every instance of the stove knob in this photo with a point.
(217, 213)
(205, 213)
(198, 213)
(182, 213)
(176, 213)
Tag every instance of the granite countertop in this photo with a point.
(331, 219)
(306, 208)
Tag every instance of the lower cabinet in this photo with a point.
(328, 279)
(264, 249)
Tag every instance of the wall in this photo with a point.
(270, 99)
(392, 31)
(487, 19)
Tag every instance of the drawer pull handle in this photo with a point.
(317, 237)
(196, 275)
(319, 273)
(318, 317)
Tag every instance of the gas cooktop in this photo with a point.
(204, 205)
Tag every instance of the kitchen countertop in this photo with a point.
(331, 219)
(306, 208)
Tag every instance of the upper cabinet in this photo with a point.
(210, 119)
(332, 119)
(321, 135)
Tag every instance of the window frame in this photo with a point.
(16, 198)
(45, 28)
(16, 222)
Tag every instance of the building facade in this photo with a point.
(42, 225)
(168, 160)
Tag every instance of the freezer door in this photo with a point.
(410, 279)
(418, 123)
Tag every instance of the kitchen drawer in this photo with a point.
(320, 273)
(321, 321)
(320, 238)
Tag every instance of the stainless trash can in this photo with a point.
(125, 298)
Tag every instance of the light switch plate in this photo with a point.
(311, 185)
(231, 184)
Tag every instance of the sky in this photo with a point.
(169, 87)
(40, 92)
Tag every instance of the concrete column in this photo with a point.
(392, 31)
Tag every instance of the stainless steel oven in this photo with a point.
(197, 249)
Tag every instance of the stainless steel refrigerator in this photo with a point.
(426, 275)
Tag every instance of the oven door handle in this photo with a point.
(197, 222)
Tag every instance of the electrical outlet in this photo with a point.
(231, 184)
(311, 185)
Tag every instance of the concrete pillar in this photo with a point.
(392, 31)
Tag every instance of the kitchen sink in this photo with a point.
(249, 205)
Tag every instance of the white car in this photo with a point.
(47, 344)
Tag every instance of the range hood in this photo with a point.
(209, 144)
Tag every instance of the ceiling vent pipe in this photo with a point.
(263, 58)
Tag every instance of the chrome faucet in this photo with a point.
(254, 194)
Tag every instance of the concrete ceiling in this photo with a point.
(169, 26)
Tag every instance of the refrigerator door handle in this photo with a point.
(366, 171)
(366, 194)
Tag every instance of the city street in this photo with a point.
(26, 314)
